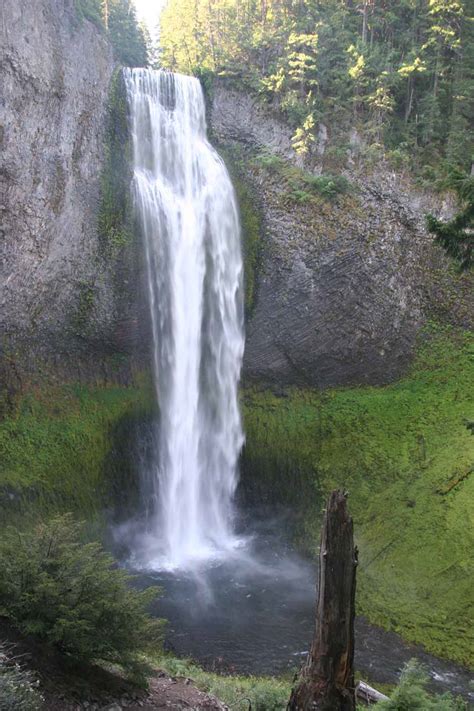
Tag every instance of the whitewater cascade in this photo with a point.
(186, 205)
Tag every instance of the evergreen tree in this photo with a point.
(457, 236)
(402, 70)
(118, 19)
(71, 595)
(126, 35)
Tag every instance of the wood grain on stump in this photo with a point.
(326, 681)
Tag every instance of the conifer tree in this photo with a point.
(403, 72)
(457, 235)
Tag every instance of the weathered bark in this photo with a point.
(326, 681)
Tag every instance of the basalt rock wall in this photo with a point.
(69, 303)
(344, 286)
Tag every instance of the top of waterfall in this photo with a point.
(172, 91)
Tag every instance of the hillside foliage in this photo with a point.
(404, 453)
(18, 686)
(403, 70)
(118, 19)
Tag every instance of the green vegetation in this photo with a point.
(328, 186)
(85, 305)
(404, 75)
(239, 692)
(457, 235)
(126, 35)
(115, 211)
(18, 688)
(270, 694)
(118, 19)
(58, 442)
(301, 185)
(89, 10)
(405, 453)
(411, 694)
(68, 594)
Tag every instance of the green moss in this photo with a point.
(302, 186)
(57, 442)
(85, 306)
(251, 222)
(405, 453)
(116, 227)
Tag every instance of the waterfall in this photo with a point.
(186, 205)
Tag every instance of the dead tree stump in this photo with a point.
(326, 681)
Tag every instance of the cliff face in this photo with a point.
(344, 285)
(60, 287)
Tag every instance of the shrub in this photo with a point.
(329, 186)
(399, 159)
(18, 688)
(303, 185)
(70, 594)
(270, 161)
(300, 195)
(411, 694)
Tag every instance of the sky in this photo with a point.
(149, 11)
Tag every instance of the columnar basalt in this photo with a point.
(344, 286)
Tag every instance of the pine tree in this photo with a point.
(403, 71)
(118, 19)
(457, 236)
(125, 34)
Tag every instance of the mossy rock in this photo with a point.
(405, 455)
(116, 222)
(60, 448)
(251, 220)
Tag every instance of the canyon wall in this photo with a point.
(68, 300)
(344, 286)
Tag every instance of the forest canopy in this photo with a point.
(403, 70)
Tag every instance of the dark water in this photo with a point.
(254, 613)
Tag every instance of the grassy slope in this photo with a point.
(56, 443)
(407, 459)
(403, 452)
(239, 692)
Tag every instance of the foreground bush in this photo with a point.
(18, 689)
(70, 595)
(411, 694)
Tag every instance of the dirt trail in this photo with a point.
(90, 688)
